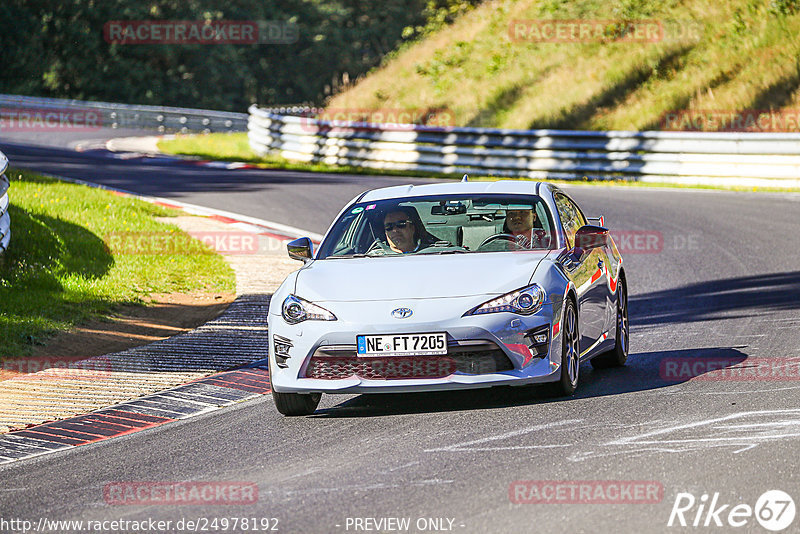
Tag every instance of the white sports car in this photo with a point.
(448, 286)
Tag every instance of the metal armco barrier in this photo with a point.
(24, 112)
(5, 218)
(689, 157)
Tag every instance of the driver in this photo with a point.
(520, 223)
(404, 232)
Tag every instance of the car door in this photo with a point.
(587, 273)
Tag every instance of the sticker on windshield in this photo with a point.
(371, 206)
(357, 210)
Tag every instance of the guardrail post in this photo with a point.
(5, 217)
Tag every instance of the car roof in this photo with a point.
(512, 187)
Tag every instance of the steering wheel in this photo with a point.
(503, 236)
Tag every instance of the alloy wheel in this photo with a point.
(571, 341)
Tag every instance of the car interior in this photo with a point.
(464, 224)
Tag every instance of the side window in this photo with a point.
(581, 220)
(570, 215)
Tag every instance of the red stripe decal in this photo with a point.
(220, 218)
(137, 418)
(111, 421)
(93, 427)
(166, 205)
(91, 431)
(275, 236)
(131, 431)
(61, 433)
(238, 383)
(48, 437)
(243, 387)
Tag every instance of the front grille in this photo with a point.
(339, 364)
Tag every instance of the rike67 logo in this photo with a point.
(774, 510)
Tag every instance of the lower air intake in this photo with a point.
(406, 367)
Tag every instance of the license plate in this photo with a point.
(430, 344)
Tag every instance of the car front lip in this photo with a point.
(411, 385)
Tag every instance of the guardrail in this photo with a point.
(5, 218)
(25, 110)
(689, 157)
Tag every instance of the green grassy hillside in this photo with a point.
(725, 55)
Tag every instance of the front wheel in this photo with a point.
(293, 404)
(570, 352)
(617, 356)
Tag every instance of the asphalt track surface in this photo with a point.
(724, 284)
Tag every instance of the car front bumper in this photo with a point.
(507, 332)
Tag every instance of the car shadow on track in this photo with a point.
(644, 371)
(718, 299)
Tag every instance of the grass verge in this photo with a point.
(59, 270)
(234, 147)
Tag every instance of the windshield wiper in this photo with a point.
(453, 251)
(336, 257)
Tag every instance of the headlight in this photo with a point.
(296, 310)
(523, 301)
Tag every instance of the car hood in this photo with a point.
(422, 276)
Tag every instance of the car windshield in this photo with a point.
(449, 224)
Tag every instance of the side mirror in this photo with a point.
(589, 237)
(301, 249)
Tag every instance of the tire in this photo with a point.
(570, 352)
(293, 404)
(617, 356)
